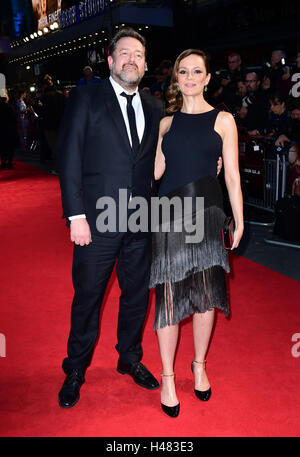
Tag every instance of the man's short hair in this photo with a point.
(125, 32)
(277, 97)
(258, 75)
(234, 54)
(293, 103)
(279, 51)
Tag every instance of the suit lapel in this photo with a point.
(114, 109)
(148, 114)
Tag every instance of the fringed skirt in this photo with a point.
(188, 267)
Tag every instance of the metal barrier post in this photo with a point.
(277, 177)
(283, 184)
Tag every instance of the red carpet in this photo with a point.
(254, 376)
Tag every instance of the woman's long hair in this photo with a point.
(173, 95)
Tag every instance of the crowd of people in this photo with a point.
(33, 122)
(261, 99)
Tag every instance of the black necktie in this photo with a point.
(132, 123)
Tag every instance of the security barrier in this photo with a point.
(263, 172)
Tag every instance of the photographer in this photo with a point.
(274, 71)
(229, 79)
(257, 103)
(215, 95)
(293, 170)
(278, 120)
(292, 132)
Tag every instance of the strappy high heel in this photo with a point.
(171, 411)
(203, 395)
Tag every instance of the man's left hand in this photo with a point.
(219, 165)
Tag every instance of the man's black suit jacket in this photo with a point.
(95, 156)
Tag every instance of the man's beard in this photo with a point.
(128, 80)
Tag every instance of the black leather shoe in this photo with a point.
(171, 411)
(140, 374)
(203, 395)
(69, 393)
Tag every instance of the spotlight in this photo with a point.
(31, 88)
(45, 30)
(40, 33)
(28, 67)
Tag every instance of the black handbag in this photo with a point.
(227, 232)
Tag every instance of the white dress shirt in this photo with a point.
(139, 117)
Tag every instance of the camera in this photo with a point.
(282, 68)
(222, 74)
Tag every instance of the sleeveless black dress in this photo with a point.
(189, 277)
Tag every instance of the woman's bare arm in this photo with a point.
(229, 134)
(160, 164)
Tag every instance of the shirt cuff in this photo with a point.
(78, 216)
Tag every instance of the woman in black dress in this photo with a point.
(189, 277)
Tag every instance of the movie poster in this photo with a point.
(45, 12)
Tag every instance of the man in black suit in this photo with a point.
(107, 143)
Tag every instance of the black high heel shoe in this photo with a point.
(203, 395)
(171, 411)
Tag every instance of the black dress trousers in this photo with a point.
(92, 268)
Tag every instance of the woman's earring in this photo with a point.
(205, 88)
(177, 87)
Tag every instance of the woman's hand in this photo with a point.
(237, 235)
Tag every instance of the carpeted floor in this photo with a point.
(252, 365)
